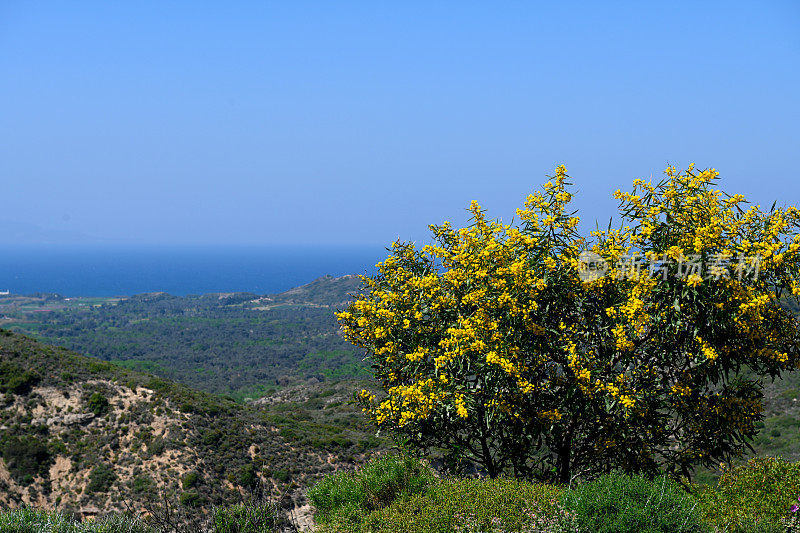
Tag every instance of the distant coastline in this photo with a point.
(107, 271)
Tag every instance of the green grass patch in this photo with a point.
(348, 496)
(619, 503)
(37, 521)
(465, 505)
(399, 494)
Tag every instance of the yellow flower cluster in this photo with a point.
(461, 408)
(626, 399)
(681, 390)
(552, 415)
(693, 280)
(410, 402)
(685, 215)
(505, 364)
(417, 354)
(707, 350)
(491, 324)
(622, 342)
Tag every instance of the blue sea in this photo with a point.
(127, 270)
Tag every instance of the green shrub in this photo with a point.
(466, 505)
(38, 521)
(282, 475)
(156, 446)
(15, 379)
(752, 525)
(190, 480)
(211, 437)
(246, 518)
(762, 490)
(98, 404)
(101, 479)
(33, 521)
(26, 457)
(246, 476)
(375, 486)
(115, 524)
(190, 498)
(142, 483)
(99, 367)
(618, 503)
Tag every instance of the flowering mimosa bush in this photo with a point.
(530, 350)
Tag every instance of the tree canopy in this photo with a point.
(530, 350)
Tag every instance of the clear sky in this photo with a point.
(361, 122)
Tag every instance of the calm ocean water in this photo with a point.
(123, 271)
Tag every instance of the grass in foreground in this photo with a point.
(395, 494)
(253, 517)
(38, 521)
(754, 498)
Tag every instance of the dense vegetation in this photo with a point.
(395, 495)
(498, 345)
(241, 344)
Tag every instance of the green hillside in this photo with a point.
(239, 344)
(77, 433)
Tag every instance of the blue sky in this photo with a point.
(347, 122)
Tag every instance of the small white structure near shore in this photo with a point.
(5, 293)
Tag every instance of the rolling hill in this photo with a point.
(83, 435)
(239, 344)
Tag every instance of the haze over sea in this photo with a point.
(94, 270)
